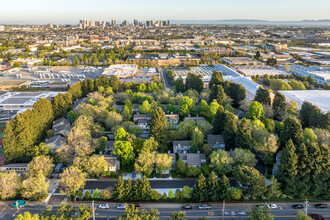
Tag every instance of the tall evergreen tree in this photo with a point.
(243, 137)
(235, 91)
(137, 190)
(292, 130)
(288, 169)
(179, 85)
(218, 93)
(279, 106)
(158, 127)
(218, 123)
(216, 79)
(119, 190)
(129, 190)
(304, 171)
(212, 187)
(224, 186)
(114, 83)
(230, 128)
(263, 96)
(200, 191)
(145, 188)
(194, 82)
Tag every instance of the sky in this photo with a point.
(71, 11)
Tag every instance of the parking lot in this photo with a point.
(203, 70)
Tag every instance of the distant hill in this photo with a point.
(325, 22)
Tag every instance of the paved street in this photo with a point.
(232, 210)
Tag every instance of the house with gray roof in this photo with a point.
(181, 146)
(61, 126)
(193, 159)
(216, 141)
(55, 142)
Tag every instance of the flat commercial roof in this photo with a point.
(320, 98)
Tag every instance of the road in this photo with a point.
(164, 76)
(232, 210)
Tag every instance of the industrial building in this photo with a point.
(319, 74)
(122, 71)
(164, 59)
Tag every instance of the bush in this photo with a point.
(180, 166)
(164, 196)
(235, 193)
(193, 171)
(154, 195)
(106, 194)
(87, 195)
(177, 194)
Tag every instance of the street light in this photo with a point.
(306, 202)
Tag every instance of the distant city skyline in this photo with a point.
(71, 11)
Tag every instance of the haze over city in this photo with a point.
(69, 11)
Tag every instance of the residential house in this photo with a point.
(55, 142)
(193, 159)
(19, 167)
(172, 118)
(196, 119)
(173, 160)
(142, 120)
(61, 126)
(216, 141)
(119, 108)
(181, 146)
(109, 147)
(113, 163)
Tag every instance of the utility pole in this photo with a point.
(306, 202)
(223, 209)
(93, 210)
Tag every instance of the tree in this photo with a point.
(158, 126)
(212, 187)
(163, 162)
(27, 216)
(236, 92)
(126, 113)
(194, 82)
(178, 216)
(41, 165)
(252, 179)
(119, 190)
(193, 171)
(35, 187)
(230, 128)
(124, 150)
(218, 93)
(179, 85)
(311, 116)
(129, 189)
(9, 185)
(144, 163)
(180, 166)
(302, 216)
(309, 135)
(154, 195)
(235, 193)
(197, 140)
(244, 157)
(150, 145)
(132, 212)
(260, 213)
(272, 61)
(66, 211)
(220, 161)
(185, 128)
(142, 189)
(243, 137)
(292, 130)
(186, 192)
(224, 185)
(256, 111)
(97, 165)
(114, 83)
(216, 79)
(218, 123)
(145, 107)
(200, 191)
(71, 180)
(186, 105)
(171, 194)
(263, 96)
(279, 106)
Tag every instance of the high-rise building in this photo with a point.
(136, 22)
(125, 23)
(113, 23)
(148, 23)
(97, 23)
(152, 23)
(168, 23)
(107, 24)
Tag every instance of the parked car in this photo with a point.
(260, 205)
(272, 206)
(19, 203)
(298, 206)
(321, 206)
(204, 207)
(121, 206)
(104, 206)
(186, 207)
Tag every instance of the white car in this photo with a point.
(121, 206)
(104, 206)
(272, 206)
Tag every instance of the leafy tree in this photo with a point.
(145, 107)
(34, 187)
(178, 216)
(243, 137)
(71, 180)
(309, 135)
(220, 161)
(145, 162)
(279, 106)
(179, 85)
(180, 166)
(67, 211)
(197, 139)
(235, 193)
(9, 185)
(150, 145)
(244, 157)
(260, 213)
(119, 190)
(114, 83)
(193, 171)
(252, 179)
(302, 216)
(263, 96)
(256, 111)
(186, 192)
(171, 194)
(97, 165)
(27, 216)
(163, 162)
(186, 106)
(41, 165)
(154, 195)
(124, 150)
(132, 212)
(126, 113)
(185, 128)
